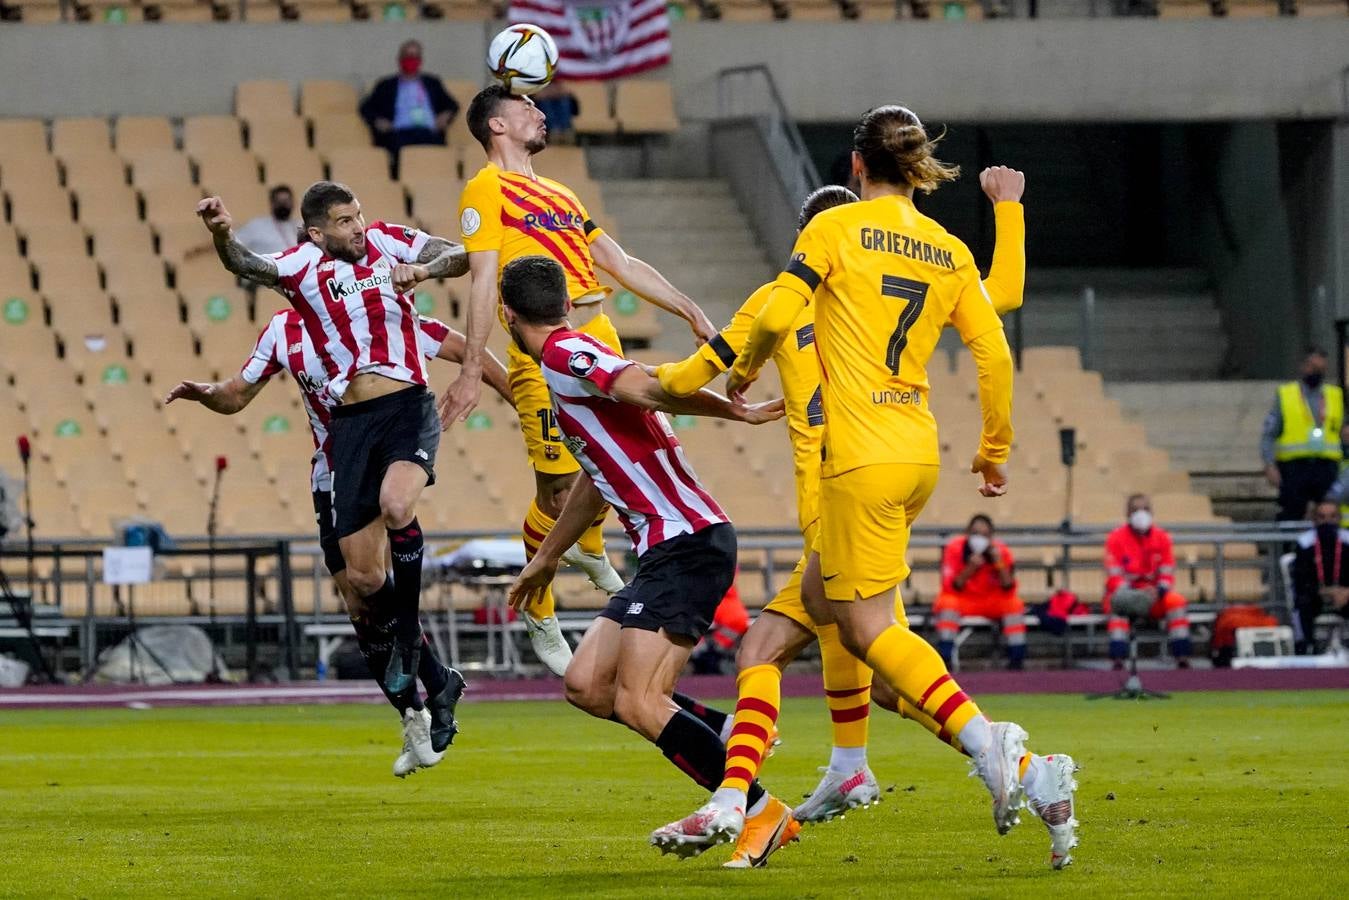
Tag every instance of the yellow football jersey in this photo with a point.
(800, 374)
(520, 216)
(886, 279)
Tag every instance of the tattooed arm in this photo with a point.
(235, 256)
(440, 258)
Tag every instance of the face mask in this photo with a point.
(977, 543)
(410, 65)
(1313, 379)
(95, 343)
(1140, 520)
(281, 212)
(1328, 532)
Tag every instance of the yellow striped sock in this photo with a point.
(756, 714)
(536, 527)
(914, 669)
(909, 711)
(592, 541)
(847, 689)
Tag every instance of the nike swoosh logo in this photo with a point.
(756, 862)
(830, 577)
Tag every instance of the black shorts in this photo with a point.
(370, 436)
(323, 514)
(679, 584)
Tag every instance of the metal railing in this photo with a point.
(749, 92)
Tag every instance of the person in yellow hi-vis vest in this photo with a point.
(1300, 443)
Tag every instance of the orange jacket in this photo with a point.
(731, 620)
(985, 582)
(1143, 561)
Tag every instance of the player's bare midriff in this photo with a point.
(584, 309)
(369, 385)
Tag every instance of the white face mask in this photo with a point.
(977, 543)
(1140, 520)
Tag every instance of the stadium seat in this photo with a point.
(93, 169)
(150, 168)
(421, 164)
(356, 164)
(79, 136)
(208, 135)
(594, 108)
(21, 139)
(382, 201)
(127, 267)
(320, 98)
(216, 168)
(279, 135)
(108, 207)
(136, 134)
(434, 199)
(341, 131)
(298, 167)
(263, 99)
(815, 10)
(171, 204)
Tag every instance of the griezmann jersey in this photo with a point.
(885, 280)
(520, 216)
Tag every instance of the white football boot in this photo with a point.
(837, 793)
(417, 731)
(597, 567)
(718, 821)
(550, 645)
(406, 763)
(999, 767)
(1051, 796)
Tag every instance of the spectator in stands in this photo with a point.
(275, 232)
(1320, 573)
(978, 578)
(1139, 561)
(1339, 491)
(408, 108)
(559, 107)
(1300, 444)
(718, 646)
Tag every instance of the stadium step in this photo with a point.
(1211, 429)
(692, 231)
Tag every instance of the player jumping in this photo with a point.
(629, 660)
(284, 346)
(887, 280)
(507, 211)
(778, 637)
(350, 284)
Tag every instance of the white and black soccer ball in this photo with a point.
(523, 58)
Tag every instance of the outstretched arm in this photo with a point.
(637, 386)
(233, 255)
(439, 258)
(647, 283)
(224, 397)
(584, 504)
(1006, 281)
(462, 396)
(493, 372)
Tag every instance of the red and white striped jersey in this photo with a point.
(353, 316)
(284, 345)
(630, 453)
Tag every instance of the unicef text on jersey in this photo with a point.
(897, 398)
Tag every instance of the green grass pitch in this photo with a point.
(1243, 794)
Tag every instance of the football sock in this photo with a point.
(536, 527)
(912, 667)
(847, 690)
(847, 759)
(430, 669)
(908, 711)
(697, 751)
(592, 541)
(976, 735)
(405, 547)
(715, 719)
(374, 636)
(756, 714)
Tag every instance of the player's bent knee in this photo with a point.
(594, 700)
(365, 582)
(397, 512)
(883, 695)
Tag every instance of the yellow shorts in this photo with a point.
(788, 601)
(543, 442)
(865, 517)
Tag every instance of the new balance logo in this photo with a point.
(295, 348)
(422, 454)
(635, 609)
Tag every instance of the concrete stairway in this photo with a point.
(1211, 429)
(1150, 324)
(694, 233)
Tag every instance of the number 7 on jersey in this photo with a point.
(914, 295)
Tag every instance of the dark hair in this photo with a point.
(410, 42)
(980, 517)
(895, 149)
(820, 199)
(1132, 497)
(321, 197)
(278, 188)
(1313, 350)
(535, 289)
(484, 106)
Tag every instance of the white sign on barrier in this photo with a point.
(128, 565)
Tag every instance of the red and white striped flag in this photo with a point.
(599, 39)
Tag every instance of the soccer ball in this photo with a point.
(523, 58)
